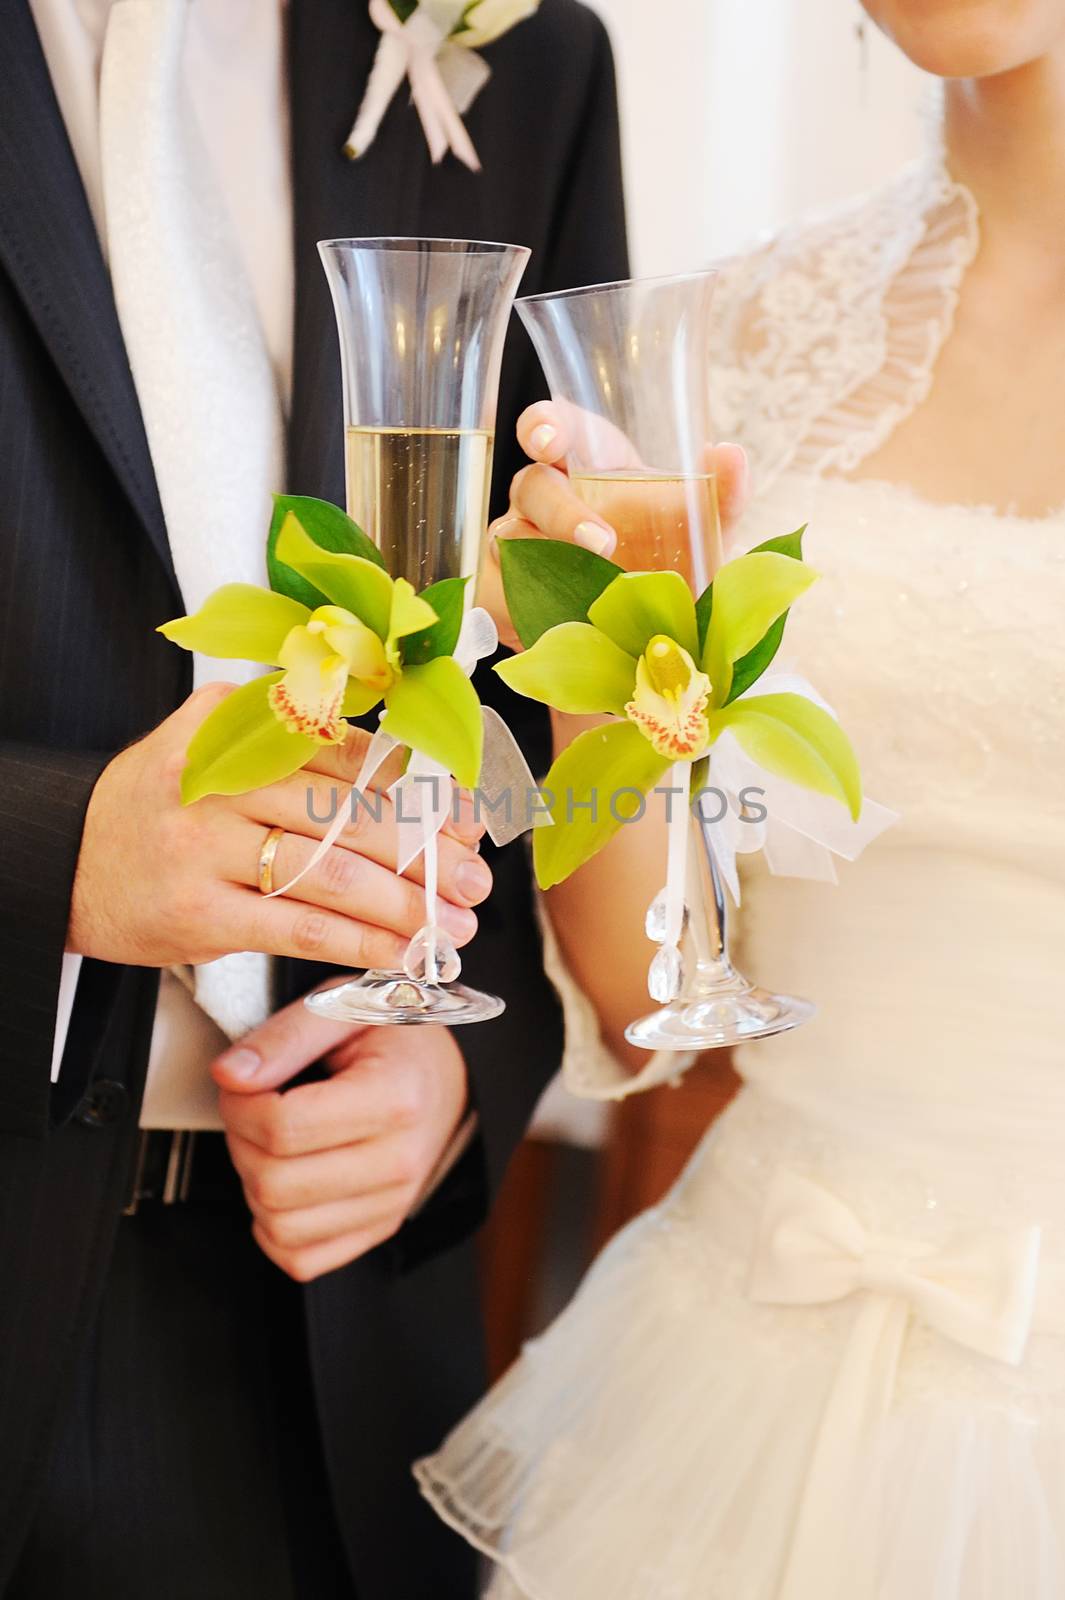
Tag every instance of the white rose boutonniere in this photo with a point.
(434, 44)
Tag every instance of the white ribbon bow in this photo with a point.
(444, 78)
(979, 1291)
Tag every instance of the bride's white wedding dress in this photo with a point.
(831, 1365)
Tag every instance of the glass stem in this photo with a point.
(712, 894)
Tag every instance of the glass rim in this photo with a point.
(407, 244)
(707, 274)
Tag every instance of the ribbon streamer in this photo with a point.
(444, 79)
(423, 795)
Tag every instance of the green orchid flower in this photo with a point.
(671, 669)
(374, 640)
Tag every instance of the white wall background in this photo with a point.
(740, 115)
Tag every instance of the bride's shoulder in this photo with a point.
(840, 256)
(802, 317)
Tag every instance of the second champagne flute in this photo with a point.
(628, 363)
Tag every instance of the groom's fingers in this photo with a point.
(312, 1262)
(278, 1049)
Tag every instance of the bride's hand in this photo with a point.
(544, 504)
(158, 883)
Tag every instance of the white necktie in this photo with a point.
(207, 391)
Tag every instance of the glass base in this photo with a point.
(385, 998)
(719, 1008)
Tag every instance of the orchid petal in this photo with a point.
(434, 708)
(749, 594)
(409, 612)
(309, 697)
(637, 605)
(349, 581)
(238, 622)
(363, 652)
(242, 745)
(573, 667)
(795, 739)
(670, 700)
(592, 788)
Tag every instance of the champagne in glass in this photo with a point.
(662, 520)
(422, 496)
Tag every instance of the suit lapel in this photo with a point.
(49, 246)
(332, 44)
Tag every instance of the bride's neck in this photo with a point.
(1005, 140)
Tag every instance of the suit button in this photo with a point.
(104, 1102)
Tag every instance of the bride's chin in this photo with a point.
(971, 38)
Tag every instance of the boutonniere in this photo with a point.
(434, 44)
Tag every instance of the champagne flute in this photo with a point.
(628, 363)
(422, 324)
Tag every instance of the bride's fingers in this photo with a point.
(543, 433)
(543, 496)
(305, 805)
(730, 465)
(550, 429)
(349, 883)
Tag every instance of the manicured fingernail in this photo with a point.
(542, 437)
(463, 924)
(473, 880)
(593, 536)
(242, 1063)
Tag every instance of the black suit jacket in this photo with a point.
(85, 576)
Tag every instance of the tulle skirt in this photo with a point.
(675, 1437)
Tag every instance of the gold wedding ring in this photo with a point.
(273, 838)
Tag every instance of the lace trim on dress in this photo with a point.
(829, 334)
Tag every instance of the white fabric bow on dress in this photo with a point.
(978, 1291)
(444, 78)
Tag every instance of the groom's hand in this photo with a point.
(159, 883)
(332, 1169)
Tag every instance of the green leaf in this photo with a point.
(795, 739)
(593, 771)
(329, 527)
(547, 581)
(360, 586)
(242, 745)
(786, 544)
(447, 599)
(749, 668)
(750, 594)
(704, 607)
(240, 622)
(574, 668)
(637, 605)
(435, 709)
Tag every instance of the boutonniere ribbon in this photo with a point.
(433, 45)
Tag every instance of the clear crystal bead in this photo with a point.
(655, 921)
(665, 976)
(431, 957)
